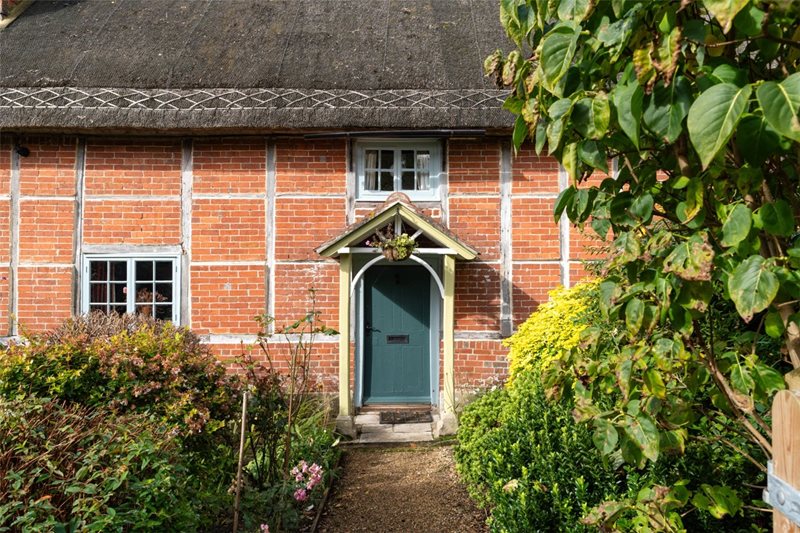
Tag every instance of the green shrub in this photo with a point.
(133, 364)
(526, 459)
(553, 328)
(128, 363)
(86, 469)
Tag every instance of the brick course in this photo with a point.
(229, 166)
(133, 167)
(226, 298)
(228, 230)
(45, 231)
(132, 222)
(49, 169)
(45, 295)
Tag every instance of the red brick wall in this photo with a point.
(153, 222)
(229, 166)
(229, 285)
(532, 282)
(474, 167)
(477, 305)
(226, 298)
(45, 231)
(534, 233)
(479, 364)
(49, 169)
(534, 174)
(45, 295)
(311, 167)
(228, 230)
(133, 167)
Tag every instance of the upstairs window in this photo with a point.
(412, 167)
(141, 285)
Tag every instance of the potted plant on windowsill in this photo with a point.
(395, 248)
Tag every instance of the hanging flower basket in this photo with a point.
(394, 248)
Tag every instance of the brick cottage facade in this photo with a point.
(132, 186)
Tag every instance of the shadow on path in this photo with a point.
(410, 489)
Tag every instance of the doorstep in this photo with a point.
(369, 429)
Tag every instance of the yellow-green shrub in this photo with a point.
(554, 327)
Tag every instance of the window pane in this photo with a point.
(423, 170)
(119, 293)
(164, 312)
(387, 159)
(119, 309)
(102, 308)
(164, 270)
(98, 293)
(371, 180)
(407, 180)
(98, 271)
(144, 292)
(144, 270)
(407, 159)
(119, 270)
(387, 181)
(371, 159)
(163, 292)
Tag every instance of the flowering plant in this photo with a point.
(307, 477)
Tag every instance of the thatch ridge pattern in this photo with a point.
(244, 99)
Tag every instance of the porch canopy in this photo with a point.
(395, 217)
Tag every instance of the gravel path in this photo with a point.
(410, 489)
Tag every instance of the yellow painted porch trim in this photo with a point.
(408, 215)
(448, 319)
(345, 398)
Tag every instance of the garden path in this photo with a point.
(406, 489)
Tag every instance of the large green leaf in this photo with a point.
(741, 379)
(667, 107)
(634, 315)
(756, 139)
(520, 132)
(565, 198)
(775, 218)
(569, 160)
(590, 116)
(717, 500)
(781, 105)
(713, 117)
(558, 50)
(752, 286)
(573, 9)
(628, 103)
(737, 225)
(643, 432)
(605, 436)
(725, 11)
(691, 260)
(654, 383)
(593, 155)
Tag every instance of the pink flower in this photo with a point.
(264, 528)
(300, 495)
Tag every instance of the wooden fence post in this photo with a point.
(786, 450)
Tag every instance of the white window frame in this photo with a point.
(434, 146)
(130, 259)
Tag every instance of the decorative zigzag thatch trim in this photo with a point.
(77, 98)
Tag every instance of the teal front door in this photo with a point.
(397, 343)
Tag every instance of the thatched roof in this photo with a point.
(252, 64)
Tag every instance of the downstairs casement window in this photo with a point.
(141, 285)
(409, 166)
